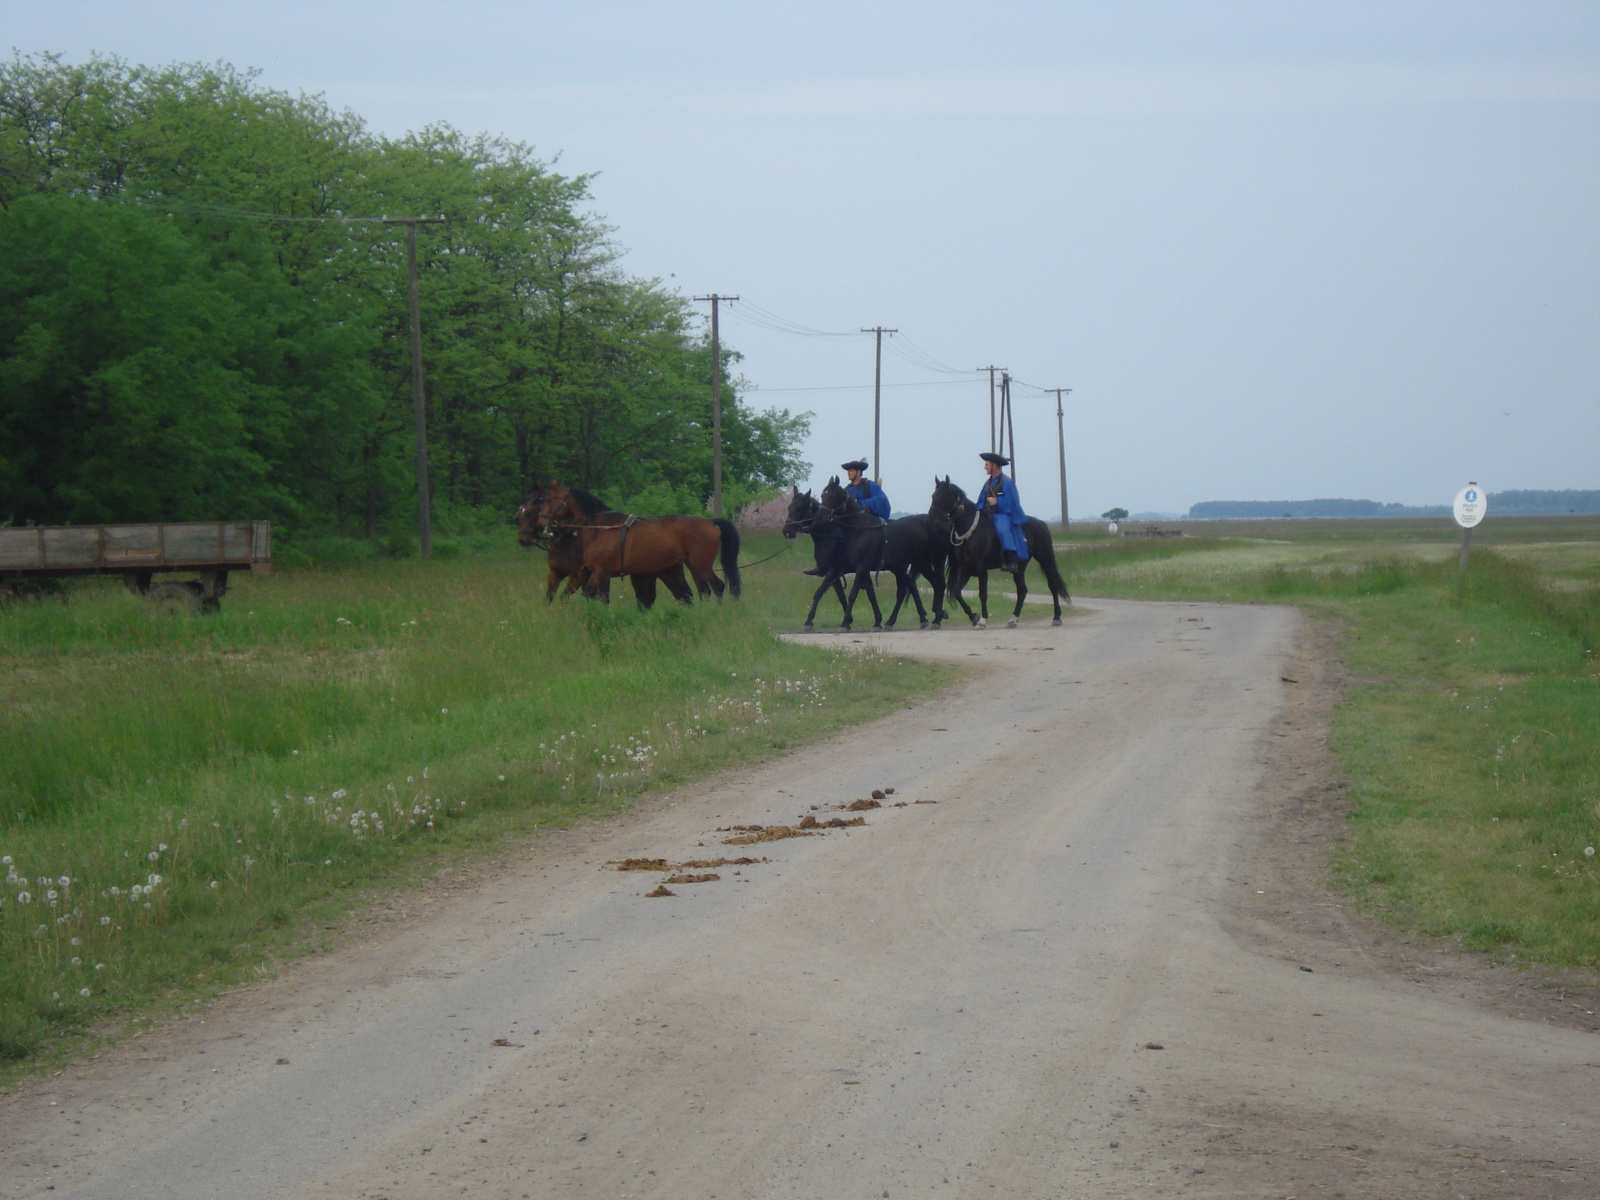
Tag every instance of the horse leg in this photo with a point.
(936, 577)
(1022, 594)
(830, 581)
(983, 599)
(644, 589)
(872, 599)
(677, 584)
(958, 580)
(599, 585)
(916, 597)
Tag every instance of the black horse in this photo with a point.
(977, 551)
(848, 540)
(913, 546)
(803, 510)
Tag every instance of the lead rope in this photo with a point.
(957, 538)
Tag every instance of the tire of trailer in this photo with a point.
(179, 599)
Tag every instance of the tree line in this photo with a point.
(200, 318)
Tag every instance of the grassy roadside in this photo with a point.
(1472, 734)
(179, 797)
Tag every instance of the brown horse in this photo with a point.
(564, 556)
(617, 544)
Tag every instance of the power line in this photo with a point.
(762, 318)
(861, 387)
(245, 214)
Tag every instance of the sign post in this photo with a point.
(1471, 506)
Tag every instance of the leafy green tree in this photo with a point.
(204, 315)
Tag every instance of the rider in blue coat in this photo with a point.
(998, 497)
(864, 492)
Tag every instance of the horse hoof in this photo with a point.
(924, 625)
(1056, 622)
(808, 629)
(1012, 623)
(877, 629)
(982, 623)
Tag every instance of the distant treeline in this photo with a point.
(1512, 503)
(200, 318)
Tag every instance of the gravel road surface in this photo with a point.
(1091, 956)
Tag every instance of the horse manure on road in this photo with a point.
(771, 833)
(879, 793)
(859, 805)
(702, 863)
(661, 864)
(708, 877)
(661, 890)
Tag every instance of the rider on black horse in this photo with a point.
(865, 493)
(998, 496)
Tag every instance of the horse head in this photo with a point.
(557, 505)
(802, 511)
(947, 499)
(529, 519)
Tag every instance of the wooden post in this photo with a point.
(877, 395)
(716, 401)
(1061, 450)
(419, 404)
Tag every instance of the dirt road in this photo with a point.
(1096, 964)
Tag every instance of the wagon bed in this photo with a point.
(138, 552)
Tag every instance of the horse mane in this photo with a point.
(587, 502)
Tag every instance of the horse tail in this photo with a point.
(730, 552)
(1046, 554)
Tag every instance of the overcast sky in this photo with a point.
(1278, 251)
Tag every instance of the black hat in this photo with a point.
(858, 464)
(999, 460)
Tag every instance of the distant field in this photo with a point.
(1472, 744)
(1494, 531)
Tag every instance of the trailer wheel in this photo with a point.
(180, 599)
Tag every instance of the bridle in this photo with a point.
(957, 539)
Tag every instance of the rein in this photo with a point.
(957, 539)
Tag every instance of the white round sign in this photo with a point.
(1111, 528)
(1471, 506)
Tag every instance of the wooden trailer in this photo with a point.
(207, 549)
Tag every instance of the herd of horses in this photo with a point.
(588, 545)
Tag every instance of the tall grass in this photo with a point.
(173, 792)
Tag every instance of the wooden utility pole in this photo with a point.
(1008, 427)
(991, 370)
(1061, 449)
(419, 403)
(877, 394)
(716, 400)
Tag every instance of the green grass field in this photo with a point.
(179, 796)
(1472, 737)
(184, 802)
